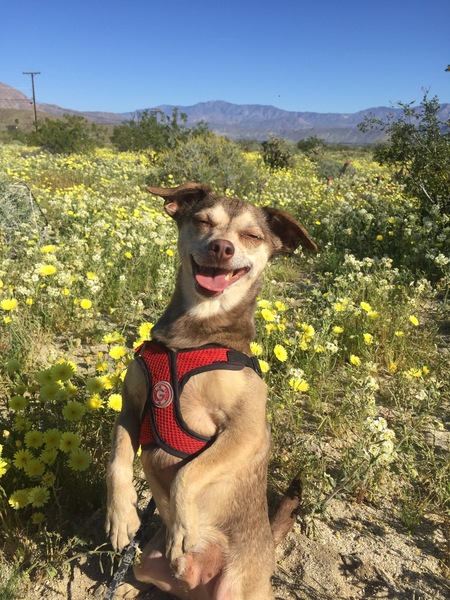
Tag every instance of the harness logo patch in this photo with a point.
(162, 394)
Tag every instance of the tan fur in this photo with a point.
(218, 539)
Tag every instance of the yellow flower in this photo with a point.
(338, 330)
(308, 330)
(38, 496)
(74, 411)
(399, 333)
(69, 441)
(128, 255)
(19, 499)
(46, 270)
(414, 372)
(379, 238)
(85, 304)
(34, 468)
(355, 360)
(264, 304)
(425, 370)
(118, 352)
(414, 320)
(299, 384)
(101, 366)
(365, 306)
(393, 367)
(63, 371)
(280, 353)
(95, 385)
(37, 518)
(50, 391)
(372, 314)
(339, 307)
(45, 376)
(4, 466)
(267, 315)
(280, 306)
(18, 403)
(94, 402)
(368, 338)
(48, 249)
(169, 252)
(79, 460)
(8, 304)
(91, 276)
(264, 366)
(22, 458)
(34, 439)
(52, 438)
(48, 455)
(145, 330)
(256, 349)
(115, 402)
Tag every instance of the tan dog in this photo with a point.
(216, 542)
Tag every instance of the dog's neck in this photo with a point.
(189, 324)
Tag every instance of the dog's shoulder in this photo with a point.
(134, 388)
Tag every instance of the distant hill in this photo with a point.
(250, 121)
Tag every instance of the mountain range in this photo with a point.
(248, 121)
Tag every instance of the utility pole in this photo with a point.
(33, 73)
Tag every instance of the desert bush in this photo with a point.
(153, 130)
(276, 154)
(207, 159)
(69, 135)
(418, 149)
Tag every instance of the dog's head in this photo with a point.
(225, 243)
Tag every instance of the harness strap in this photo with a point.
(167, 373)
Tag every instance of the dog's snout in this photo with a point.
(221, 249)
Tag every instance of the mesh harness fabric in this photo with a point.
(167, 373)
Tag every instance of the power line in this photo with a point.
(33, 73)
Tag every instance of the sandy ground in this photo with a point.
(359, 551)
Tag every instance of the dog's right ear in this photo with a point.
(178, 200)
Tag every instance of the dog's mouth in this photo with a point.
(213, 281)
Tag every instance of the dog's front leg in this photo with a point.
(243, 438)
(122, 520)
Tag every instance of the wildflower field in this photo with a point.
(350, 339)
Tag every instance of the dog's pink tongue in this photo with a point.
(213, 280)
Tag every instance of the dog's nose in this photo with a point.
(221, 249)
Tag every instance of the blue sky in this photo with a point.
(320, 56)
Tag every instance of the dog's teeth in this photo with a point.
(229, 275)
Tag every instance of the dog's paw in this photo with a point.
(180, 540)
(122, 522)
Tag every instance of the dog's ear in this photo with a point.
(178, 200)
(290, 233)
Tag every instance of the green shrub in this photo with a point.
(209, 159)
(69, 135)
(276, 154)
(418, 149)
(153, 130)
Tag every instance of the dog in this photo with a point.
(216, 541)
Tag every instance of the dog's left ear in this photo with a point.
(290, 233)
(178, 200)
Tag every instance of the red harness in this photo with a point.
(167, 372)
